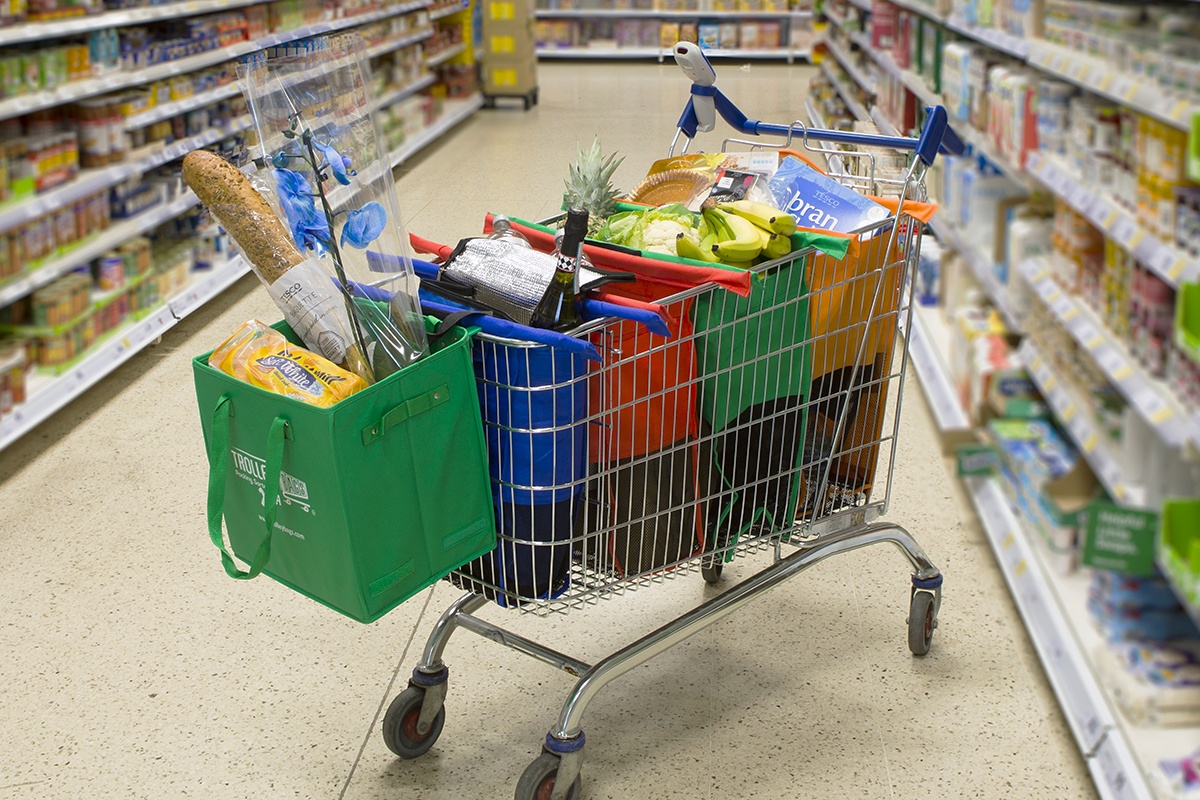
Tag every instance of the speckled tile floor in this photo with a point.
(134, 668)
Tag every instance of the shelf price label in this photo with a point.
(1152, 404)
(1113, 362)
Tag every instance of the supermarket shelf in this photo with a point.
(375, 51)
(49, 394)
(600, 52)
(852, 70)
(53, 29)
(78, 90)
(114, 236)
(396, 95)
(847, 96)
(1102, 210)
(917, 7)
(1154, 402)
(451, 117)
(882, 122)
(1073, 414)
(923, 349)
(817, 119)
(640, 13)
(1054, 608)
(992, 37)
(90, 182)
(177, 107)
(1104, 79)
(447, 11)
(864, 5)
(981, 266)
(445, 55)
(982, 146)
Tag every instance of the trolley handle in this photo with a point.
(936, 136)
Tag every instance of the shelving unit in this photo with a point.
(1150, 398)
(48, 393)
(1121, 756)
(606, 50)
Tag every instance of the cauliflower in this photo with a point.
(659, 236)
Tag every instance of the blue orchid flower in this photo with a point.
(364, 225)
(280, 160)
(338, 164)
(309, 228)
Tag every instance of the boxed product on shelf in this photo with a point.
(1011, 119)
(689, 32)
(956, 87)
(748, 35)
(770, 35)
(710, 35)
(1138, 609)
(976, 335)
(14, 364)
(1154, 683)
(727, 35)
(1046, 481)
(668, 34)
(883, 24)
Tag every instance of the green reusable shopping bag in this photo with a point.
(358, 506)
(754, 366)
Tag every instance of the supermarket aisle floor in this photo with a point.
(134, 668)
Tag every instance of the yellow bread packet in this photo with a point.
(260, 355)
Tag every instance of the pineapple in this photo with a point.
(589, 184)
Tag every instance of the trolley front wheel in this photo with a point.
(400, 732)
(711, 569)
(537, 781)
(921, 622)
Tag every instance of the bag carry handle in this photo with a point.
(218, 457)
(405, 411)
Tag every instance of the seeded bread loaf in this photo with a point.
(243, 212)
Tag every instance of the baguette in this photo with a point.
(263, 239)
(243, 212)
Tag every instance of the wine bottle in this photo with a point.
(557, 309)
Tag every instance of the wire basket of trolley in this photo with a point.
(764, 417)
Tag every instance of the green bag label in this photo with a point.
(975, 460)
(1120, 539)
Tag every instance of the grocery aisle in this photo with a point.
(135, 668)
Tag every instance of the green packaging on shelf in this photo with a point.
(1187, 321)
(975, 460)
(1178, 548)
(1046, 480)
(1120, 539)
(358, 506)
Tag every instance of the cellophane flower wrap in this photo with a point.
(324, 169)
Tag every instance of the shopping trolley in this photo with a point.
(765, 421)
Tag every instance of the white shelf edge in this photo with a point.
(390, 45)
(851, 70)
(882, 122)
(116, 235)
(55, 29)
(447, 11)
(445, 55)
(939, 389)
(77, 90)
(396, 95)
(130, 339)
(815, 116)
(645, 13)
(981, 267)
(853, 105)
(1153, 401)
(599, 52)
(1116, 222)
(1071, 676)
(177, 107)
(918, 7)
(1069, 411)
(993, 37)
(450, 119)
(205, 287)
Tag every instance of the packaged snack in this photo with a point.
(262, 357)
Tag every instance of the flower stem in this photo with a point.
(334, 253)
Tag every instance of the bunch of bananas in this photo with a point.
(741, 233)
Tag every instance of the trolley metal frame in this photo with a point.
(830, 526)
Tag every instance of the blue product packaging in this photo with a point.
(817, 201)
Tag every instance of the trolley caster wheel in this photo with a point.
(489, 101)
(535, 97)
(921, 623)
(400, 732)
(711, 572)
(528, 102)
(537, 781)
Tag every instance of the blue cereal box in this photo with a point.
(817, 201)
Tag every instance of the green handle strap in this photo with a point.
(218, 455)
(405, 411)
